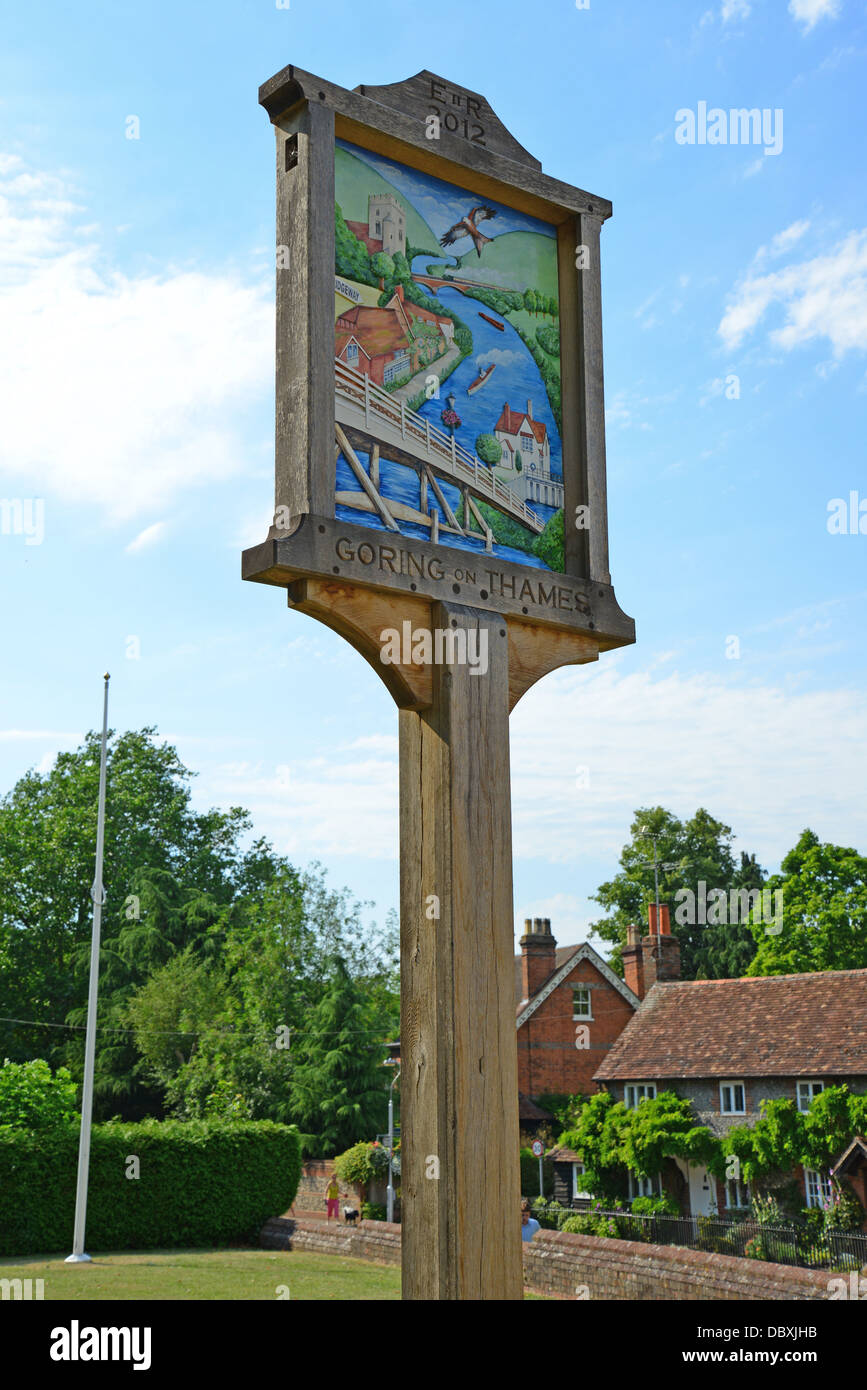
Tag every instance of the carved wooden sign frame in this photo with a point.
(358, 578)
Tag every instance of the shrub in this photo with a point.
(372, 1211)
(356, 1166)
(655, 1206)
(201, 1183)
(32, 1099)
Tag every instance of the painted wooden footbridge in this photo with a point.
(363, 409)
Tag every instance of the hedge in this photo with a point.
(201, 1183)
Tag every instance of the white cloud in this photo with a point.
(784, 240)
(119, 391)
(767, 761)
(148, 537)
(825, 297)
(734, 9)
(809, 12)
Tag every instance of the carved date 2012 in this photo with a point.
(443, 96)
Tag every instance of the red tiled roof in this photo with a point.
(777, 1025)
(529, 1110)
(361, 230)
(512, 421)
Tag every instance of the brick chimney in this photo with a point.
(661, 952)
(538, 960)
(652, 959)
(529, 410)
(633, 961)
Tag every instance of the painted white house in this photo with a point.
(525, 460)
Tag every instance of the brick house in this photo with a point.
(571, 1007)
(727, 1045)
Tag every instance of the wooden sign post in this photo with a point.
(441, 503)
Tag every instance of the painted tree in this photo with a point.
(489, 449)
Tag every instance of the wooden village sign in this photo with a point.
(441, 503)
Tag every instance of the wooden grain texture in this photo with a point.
(591, 398)
(324, 547)
(362, 615)
(401, 135)
(304, 440)
(575, 484)
(534, 650)
(459, 1084)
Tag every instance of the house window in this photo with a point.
(527, 443)
(806, 1091)
(732, 1098)
(644, 1187)
(352, 354)
(578, 1181)
(636, 1092)
(581, 1002)
(737, 1194)
(818, 1187)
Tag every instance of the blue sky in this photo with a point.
(136, 400)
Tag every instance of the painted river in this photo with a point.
(516, 379)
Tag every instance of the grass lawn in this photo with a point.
(209, 1274)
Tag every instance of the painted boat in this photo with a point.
(495, 323)
(480, 379)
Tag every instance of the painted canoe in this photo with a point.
(495, 323)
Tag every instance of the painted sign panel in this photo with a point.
(447, 363)
(439, 404)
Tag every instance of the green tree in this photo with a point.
(181, 1002)
(489, 449)
(824, 921)
(339, 1084)
(688, 853)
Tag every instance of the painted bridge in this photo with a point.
(360, 405)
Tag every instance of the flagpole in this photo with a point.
(97, 894)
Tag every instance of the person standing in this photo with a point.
(529, 1224)
(332, 1198)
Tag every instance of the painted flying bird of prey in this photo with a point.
(467, 227)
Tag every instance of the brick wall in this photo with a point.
(311, 1189)
(548, 1059)
(557, 1264)
(378, 1241)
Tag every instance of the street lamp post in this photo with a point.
(389, 1192)
(393, 1060)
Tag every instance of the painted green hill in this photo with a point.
(354, 180)
(528, 259)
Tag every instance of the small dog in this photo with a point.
(350, 1215)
